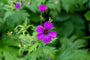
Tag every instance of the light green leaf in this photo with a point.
(87, 15)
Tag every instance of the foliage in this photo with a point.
(8, 48)
(72, 49)
(18, 39)
(87, 15)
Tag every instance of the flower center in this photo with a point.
(45, 31)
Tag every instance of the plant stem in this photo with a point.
(41, 18)
(20, 40)
(87, 37)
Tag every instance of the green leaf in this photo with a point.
(7, 14)
(87, 15)
(71, 49)
(32, 47)
(80, 3)
(31, 7)
(85, 1)
(89, 26)
(65, 29)
(54, 13)
(62, 17)
(35, 17)
(17, 17)
(70, 5)
(54, 6)
(67, 4)
(7, 48)
(79, 25)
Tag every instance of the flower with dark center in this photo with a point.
(45, 33)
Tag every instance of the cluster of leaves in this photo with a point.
(72, 49)
(16, 45)
(70, 24)
(21, 42)
(69, 18)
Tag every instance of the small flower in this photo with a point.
(42, 8)
(45, 33)
(17, 5)
(22, 2)
(49, 58)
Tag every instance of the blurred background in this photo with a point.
(71, 20)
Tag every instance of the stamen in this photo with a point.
(45, 31)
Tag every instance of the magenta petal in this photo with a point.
(17, 5)
(53, 34)
(46, 39)
(40, 35)
(48, 25)
(42, 7)
(40, 28)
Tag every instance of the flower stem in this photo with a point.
(41, 22)
(41, 18)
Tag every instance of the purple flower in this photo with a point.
(17, 5)
(22, 2)
(42, 7)
(45, 33)
(49, 58)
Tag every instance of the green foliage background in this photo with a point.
(71, 20)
